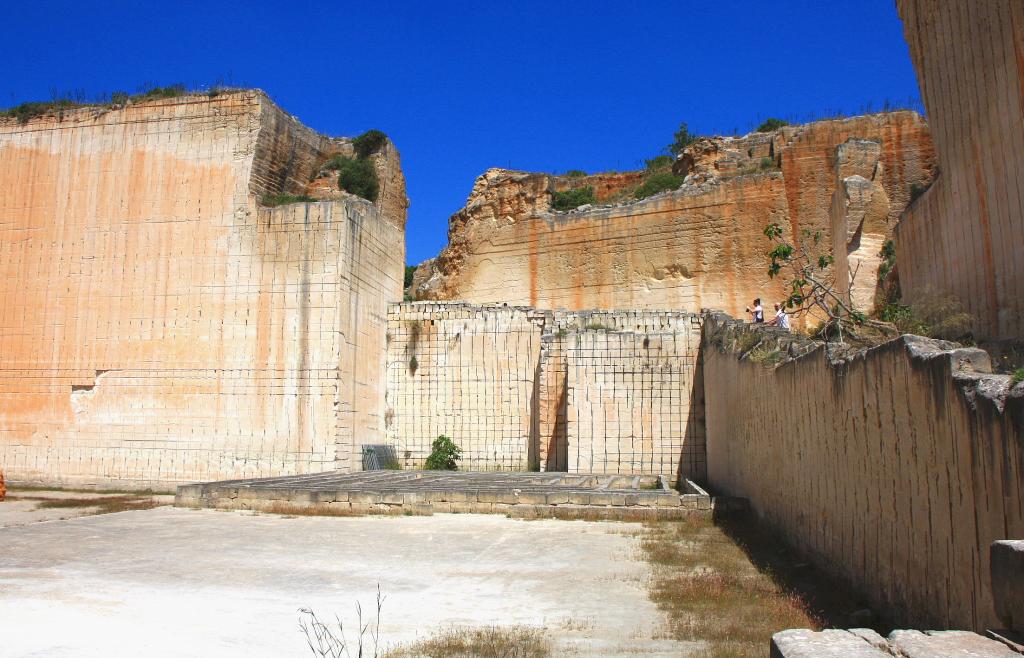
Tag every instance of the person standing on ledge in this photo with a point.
(757, 315)
(781, 318)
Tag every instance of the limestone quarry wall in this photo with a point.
(699, 247)
(465, 372)
(156, 325)
(516, 388)
(635, 404)
(963, 236)
(895, 468)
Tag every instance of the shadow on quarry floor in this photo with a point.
(833, 602)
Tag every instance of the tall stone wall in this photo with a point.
(468, 373)
(894, 468)
(635, 404)
(157, 325)
(515, 387)
(963, 236)
(701, 246)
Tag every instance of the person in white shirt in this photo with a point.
(781, 318)
(757, 315)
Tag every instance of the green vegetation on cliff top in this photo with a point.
(66, 101)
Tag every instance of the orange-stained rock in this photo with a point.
(701, 246)
(962, 238)
(158, 325)
(860, 213)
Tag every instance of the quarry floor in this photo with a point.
(178, 582)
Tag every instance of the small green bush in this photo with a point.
(1017, 376)
(369, 143)
(410, 270)
(274, 200)
(444, 455)
(572, 198)
(356, 176)
(656, 183)
(576, 173)
(771, 124)
(934, 316)
(658, 162)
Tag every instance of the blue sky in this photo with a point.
(463, 86)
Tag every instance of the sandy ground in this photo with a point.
(175, 582)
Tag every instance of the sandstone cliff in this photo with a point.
(158, 324)
(963, 236)
(695, 247)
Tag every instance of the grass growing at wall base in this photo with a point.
(716, 586)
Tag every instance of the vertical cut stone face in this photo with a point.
(894, 468)
(963, 236)
(157, 325)
(701, 246)
(517, 389)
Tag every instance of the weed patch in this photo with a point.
(931, 315)
(712, 592)
(103, 504)
(494, 642)
(275, 200)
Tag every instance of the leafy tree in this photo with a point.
(410, 270)
(444, 455)
(771, 124)
(812, 282)
(683, 138)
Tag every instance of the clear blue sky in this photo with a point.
(463, 86)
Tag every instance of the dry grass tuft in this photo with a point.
(285, 508)
(103, 504)
(712, 592)
(495, 642)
